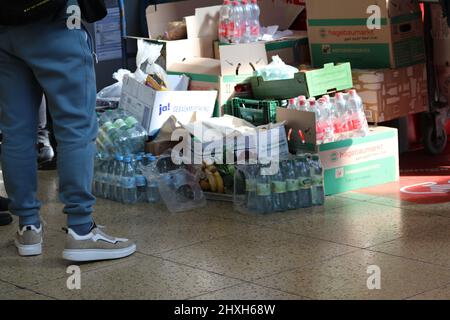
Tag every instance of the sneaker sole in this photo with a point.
(28, 250)
(84, 255)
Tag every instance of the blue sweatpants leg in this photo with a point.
(62, 63)
(20, 96)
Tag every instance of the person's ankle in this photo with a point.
(82, 229)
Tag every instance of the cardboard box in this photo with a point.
(331, 78)
(293, 50)
(342, 31)
(153, 108)
(441, 37)
(392, 93)
(236, 66)
(348, 164)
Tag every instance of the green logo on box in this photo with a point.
(334, 157)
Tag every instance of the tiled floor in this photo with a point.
(216, 253)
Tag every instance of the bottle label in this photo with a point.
(250, 186)
(128, 182)
(292, 185)
(279, 186)
(305, 182)
(263, 189)
(141, 181)
(254, 30)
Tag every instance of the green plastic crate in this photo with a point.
(257, 112)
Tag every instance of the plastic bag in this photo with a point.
(277, 70)
(110, 96)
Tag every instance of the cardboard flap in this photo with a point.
(198, 66)
(181, 50)
(242, 58)
(279, 12)
(158, 16)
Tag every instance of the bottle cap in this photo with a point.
(292, 101)
(127, 159)
(131, 121)
(352, 92)
(119, 123)
(119, 157)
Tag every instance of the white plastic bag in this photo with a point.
(277, 70)
(113, 92)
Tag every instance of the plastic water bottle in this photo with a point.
(359, 120)
(263, 193)
(141, 181)
(236, 23)
(341, 125)
(224, 22)
(118, 134)
(255, 27)
(292, 104)
(320, 132)
(104, 142)
(250, 187)
(116, 194)
(318, 194)
(304, 179)
(136, 136)
(246, 19)
(98, 167)
(302, 103)
(325, 120)
(128, 182)
(279, 191)
(152, 192)
(288, 171)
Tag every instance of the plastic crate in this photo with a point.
(257, 112)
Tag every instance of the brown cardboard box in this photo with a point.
(293, 50)
(342, 31)
(441, 37)
(392, 93)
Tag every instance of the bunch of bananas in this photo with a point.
(210, 179)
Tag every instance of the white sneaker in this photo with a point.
(96, 246)
(29, 241)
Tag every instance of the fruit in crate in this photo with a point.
(216, 178)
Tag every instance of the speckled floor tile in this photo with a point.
(25, 271)
(357, 196)
(175, 231)
(431, 246)
(442, 293)
(258, 252)
(442, 209)
(248, 291)
(141, 277)
(226, 211)
(346, 277)
(14, 293)
(361, 225)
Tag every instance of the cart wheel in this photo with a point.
(435, 145)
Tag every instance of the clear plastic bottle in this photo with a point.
(263, 193)
(304, 179)
(246, 19)
(136, 136)
(108, 185)
(341, 127)
(116, 192)
(152, 192)
(318, 193)
(288, 171)
(292, 104)
(128, 182)
(320, 132)
(141, 181)
(302, 103)
(255, 27)
(325, 120)
(359, 120)
(251, 173)
(104, 142)
(118, 134)
(224, 22)
(236, 23)
(279, 191)
(98, 173)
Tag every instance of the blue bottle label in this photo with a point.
(128, 182)
(141, 181)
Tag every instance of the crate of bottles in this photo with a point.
(291, 184)
(257, 112)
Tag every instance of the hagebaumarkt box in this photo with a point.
(348, 164)
(392, 93)
(344, 31)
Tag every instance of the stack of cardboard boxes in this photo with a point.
(383, 41)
